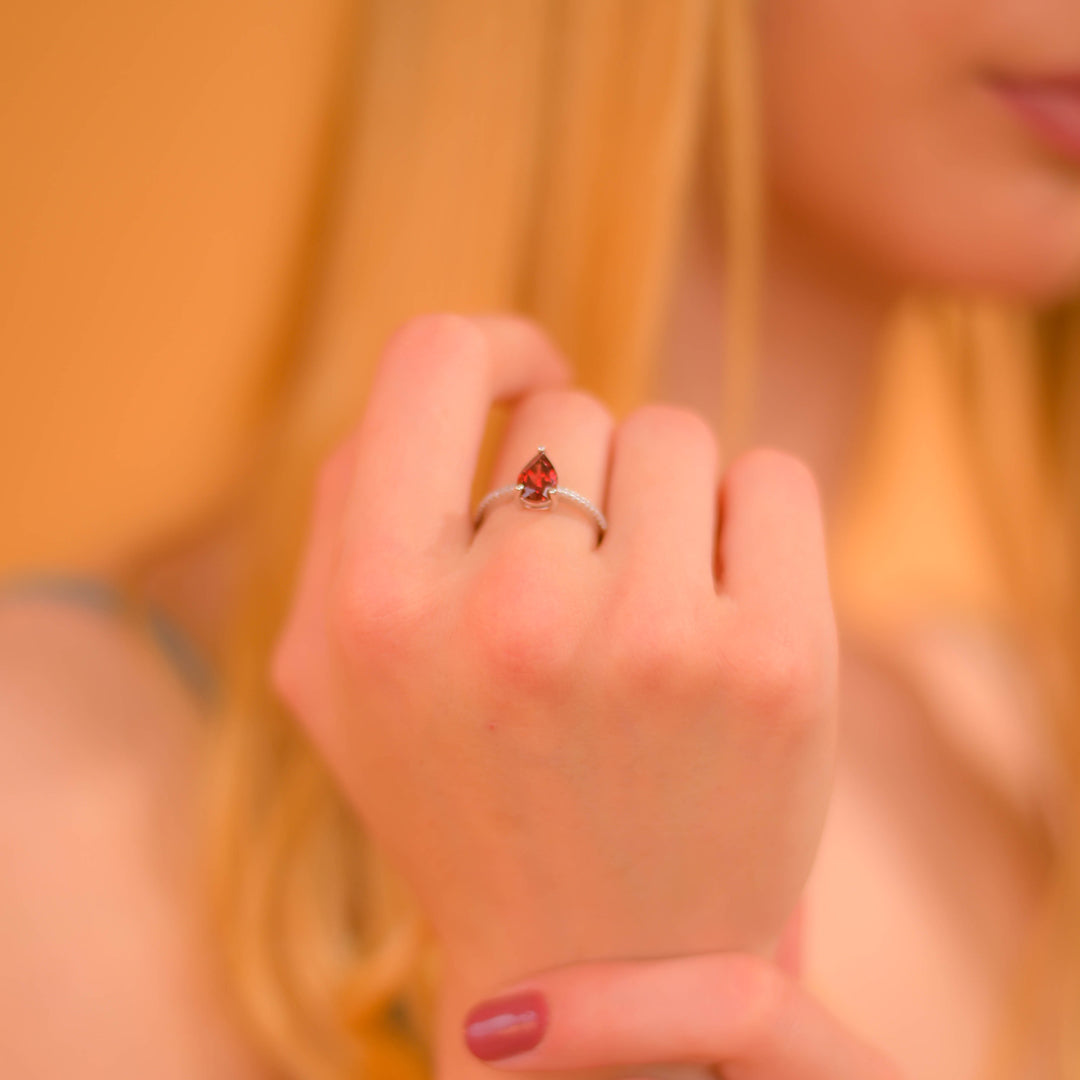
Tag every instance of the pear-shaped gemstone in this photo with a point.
(538, 478)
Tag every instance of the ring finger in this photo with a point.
(574, 428)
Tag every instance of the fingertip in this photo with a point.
(507, 1025)
(519, 335)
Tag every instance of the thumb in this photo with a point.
(736, 1011)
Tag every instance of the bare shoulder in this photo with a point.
(108, 970)
(935, 851)
(60, 660)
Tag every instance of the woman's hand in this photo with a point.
(733, 1011)
(570, 750)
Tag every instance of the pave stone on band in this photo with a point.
(536, 484)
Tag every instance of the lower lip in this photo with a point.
(1050, 109)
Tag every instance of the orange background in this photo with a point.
(144, 294)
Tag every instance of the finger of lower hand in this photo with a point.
(735, 1011)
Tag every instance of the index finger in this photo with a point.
(423, 425)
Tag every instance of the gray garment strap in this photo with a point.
(186, 657)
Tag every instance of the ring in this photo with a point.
(536, 484)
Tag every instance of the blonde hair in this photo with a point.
(507, 156)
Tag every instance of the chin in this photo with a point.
(1032, 278)
(1028, 251)
(1026, 272)
(1015, 258)
(1011, 233)
(1039, 290)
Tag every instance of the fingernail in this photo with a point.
(507, 1025)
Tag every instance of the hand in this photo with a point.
(733, 1011)
(569, 750)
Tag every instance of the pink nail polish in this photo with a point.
(507, 1025)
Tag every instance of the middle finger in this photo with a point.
(663, 496)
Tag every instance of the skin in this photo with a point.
(892, 156)
(892, 163)
(515, 715)
(109, 969)
(726, 1009)
(507, 704)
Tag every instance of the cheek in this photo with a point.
(885, 146)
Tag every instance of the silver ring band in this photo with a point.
(536, 484)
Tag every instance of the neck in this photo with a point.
(820, 328)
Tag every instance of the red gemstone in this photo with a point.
(539, 478)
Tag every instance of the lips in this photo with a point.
(1049, 107)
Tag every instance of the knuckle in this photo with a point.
(513, 654)
(786, 675)
(779, 678)
(522, 634)
(527, 334)
(580, 407)
(650, 654)
(656, 648)
(437, 338)
(671, 422)
(780, 470)
(373, 614)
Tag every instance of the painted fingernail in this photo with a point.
(507, 1025)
